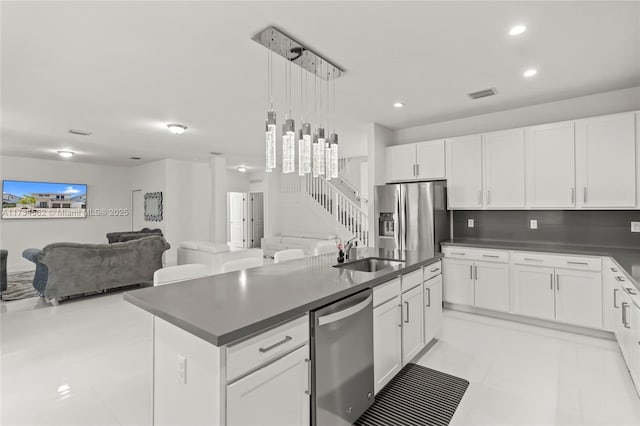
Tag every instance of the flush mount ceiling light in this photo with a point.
(176, 129)
(65, 154)
(530, 72)
(517, 30)
(241, 169)
(79, 132)
(398, 104)
(135, 158)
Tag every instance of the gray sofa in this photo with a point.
(75, 269)
(119, 237)
(3, 270)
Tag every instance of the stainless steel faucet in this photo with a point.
(348, 247)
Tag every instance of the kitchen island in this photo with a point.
(233, 348)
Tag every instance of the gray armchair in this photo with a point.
(40, 278)
(3, 270)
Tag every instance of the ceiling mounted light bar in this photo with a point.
(294, 51)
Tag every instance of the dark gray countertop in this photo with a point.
(227, 307)
(627, 258)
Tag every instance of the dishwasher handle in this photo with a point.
(345, 313)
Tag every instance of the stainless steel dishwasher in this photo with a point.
(342, 356)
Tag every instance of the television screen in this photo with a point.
(43, 200)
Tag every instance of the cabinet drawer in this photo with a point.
(386, 292)
(486, 255)
(256, 351)
(431, 271)
(557, 261)
(411, 280)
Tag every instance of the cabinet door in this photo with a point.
(432, 308)
(387, 341)
(491, 286)
(606, 161)
(430, 160)
(550, 165)
(624, 335)
(464, 172)
(533, 291)
(274, 395)
(504, 169)
(579, 297)
(458, 281)
(634, 321)
(412, 323)
(610, 299)
(401, 161)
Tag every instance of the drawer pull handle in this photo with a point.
(457, 253)
(531, 259)
(624, 315)
(630, 291)
(551, 282)
(308, 391)
(428, 298)
(619, 278)
(577, 263)
(492, 256)
(614, 270)
(615, 300)
(275, 345)
(435, 270)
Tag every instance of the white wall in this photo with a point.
(237, 182)
(107, 188)
(379, 138)
(569, 109)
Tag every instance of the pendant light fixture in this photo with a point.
(333, 139)
(288, 128)
(304, 143)
(270, 126)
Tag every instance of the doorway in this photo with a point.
(245, 212)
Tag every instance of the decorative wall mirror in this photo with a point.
(153, 206)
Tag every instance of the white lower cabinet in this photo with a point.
(277, 394)
(491, 288)
(458, 283)
(579, 297)
(432, 308)
(533, 291)
(412, 323)
(387, 341)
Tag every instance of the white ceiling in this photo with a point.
(124, 69)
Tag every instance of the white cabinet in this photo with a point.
(504, 165)
(412, 323)
(550, 166)
(606, 161)
(533, 291)
(277, 394)
(387, 341)
(464, 172)
(401, 161)
(579, 297)
(634, 351)
(458, 281)
(432, 308)
(430, 160)
(491, 288)
(416, 161)
(610, 290)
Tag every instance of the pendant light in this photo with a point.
(270, 125)
(304, 142)
(288, 128)
(319, 139)
(334, 136)
(327, 148)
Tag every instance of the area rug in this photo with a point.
(416, 396)
(19, 286)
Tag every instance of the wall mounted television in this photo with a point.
(43, 200)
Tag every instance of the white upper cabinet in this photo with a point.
(401, 161)
(430, 160)
(550, 165)
(416, 161)
(464, 172)
(606, 161)
(504, 169)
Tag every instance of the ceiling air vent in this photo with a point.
(79, 132)
(482, 93)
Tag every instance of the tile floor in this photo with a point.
(88, 362)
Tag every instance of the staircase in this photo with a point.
(333, 200)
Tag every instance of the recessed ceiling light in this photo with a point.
(398, 104)
(177, 129)
(530, 72)
(65, 154)
(517, 30)
(241, 169)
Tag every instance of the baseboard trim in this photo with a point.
(603, 334)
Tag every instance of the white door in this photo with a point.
(237, 219)
(401, 161)
(464, 172)
(137, 210)
(504, 169)
(491, 286)
(256, 218)
(412, 323)
(275, 395)
(533, 291)
(387, 341)
(606, 161)
(430, 160)
(432, 308)
(550, 165)
(579, 297)
(458, 281)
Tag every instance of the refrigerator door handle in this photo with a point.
(398, 230)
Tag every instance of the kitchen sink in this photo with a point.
(370, 264)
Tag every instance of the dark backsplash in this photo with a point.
(609, 228)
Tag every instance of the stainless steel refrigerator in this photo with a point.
(412, 216)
